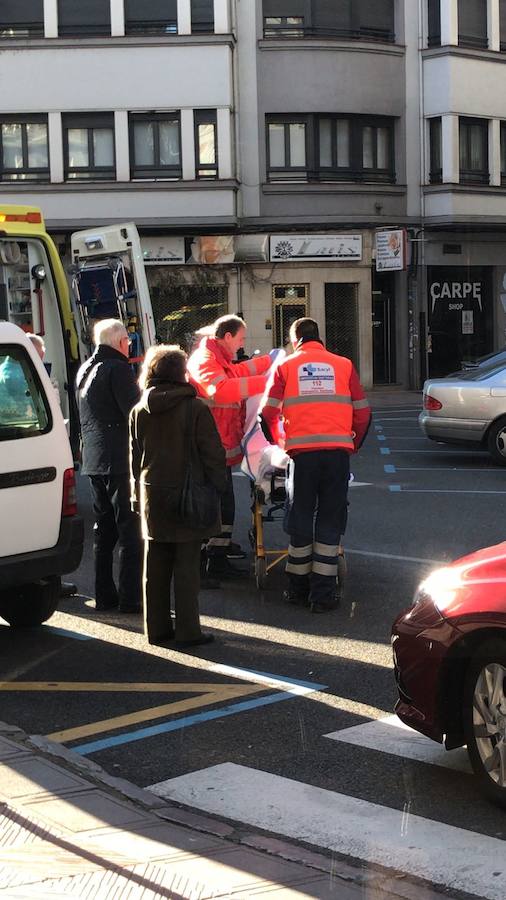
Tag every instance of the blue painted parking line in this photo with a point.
(195, 719)
(380, 437)
(64, 632)
(395, 488)
(385, 451)
(390, 470)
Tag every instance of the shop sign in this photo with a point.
(315, 247)
(456, 293)
(391, 250)
(164, 251)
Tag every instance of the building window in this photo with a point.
(90, 18)
(473, 23)
(155, 145)
(155, 17)
(503, 152)
(287, 149)
(24, 154)
(473, 145)
(21, 18)
(502, 23)
(359, 19)
(206, 144)
(434, 23)
(435, 150)
(202, 12)
(330, 148)
(89, 147)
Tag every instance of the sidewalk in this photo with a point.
(67, 828)
(392, 397)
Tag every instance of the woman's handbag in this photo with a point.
(199, 502)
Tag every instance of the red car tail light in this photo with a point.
(431, 403)
(69, 506)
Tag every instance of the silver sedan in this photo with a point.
(468, 407)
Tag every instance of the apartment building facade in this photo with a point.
(261, 145)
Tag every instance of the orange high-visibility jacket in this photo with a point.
(320, 399)
(224, 386)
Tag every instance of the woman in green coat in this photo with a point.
(158, 453)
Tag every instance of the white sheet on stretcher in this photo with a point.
(261, 459)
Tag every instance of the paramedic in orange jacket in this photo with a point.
(225, 386)
(325, 417)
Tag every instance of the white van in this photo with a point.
(41, 535)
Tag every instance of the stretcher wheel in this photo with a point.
(341, 577)
(260, 572)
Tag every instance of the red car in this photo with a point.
(450, 662)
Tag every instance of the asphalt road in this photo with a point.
(151, 715)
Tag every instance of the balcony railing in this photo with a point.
(302, 31)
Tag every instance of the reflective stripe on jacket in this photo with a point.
(317, 405)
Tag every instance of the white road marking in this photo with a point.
(413, 559)
(390, 735)
(442, 854)
(447, 469)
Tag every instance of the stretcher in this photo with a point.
(266, 465)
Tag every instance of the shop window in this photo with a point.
(330, 148)
(341, 320)
(89, 147)
(21, 18)
(356, 19)
(435, 150)
(155, 145)
(155, 17)
(24, 152)
(180, 308)
(206, 144)
(472, 23)
(473, 151)
(86, 19)
(202, 13)
(434, 23)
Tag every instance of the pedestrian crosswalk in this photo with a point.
(443, 854)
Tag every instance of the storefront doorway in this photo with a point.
(290, 302)
(460, 316)
(383, 328)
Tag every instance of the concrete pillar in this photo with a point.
(222, 23)
(494, 151)
(449, 22)
(184, 17)
(225, 161)
(450, 149)
(494, 39)
(122, 145)
(117, 18)
(188, 145)
(55, 131)
(51, 18)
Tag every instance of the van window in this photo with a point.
(24, 410)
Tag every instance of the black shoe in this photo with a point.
(68, 589)
(130, 609)
(221, 568)
(106, 607)
(197, 642)
(296, 599)
(317, 607)
(235, 551)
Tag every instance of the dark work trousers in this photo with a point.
(115, 523)
(220, 543)
(164, 562)
(315, 519)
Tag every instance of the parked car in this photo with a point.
(498, 356)
(450, 662)
(42, 535)
(470, 408)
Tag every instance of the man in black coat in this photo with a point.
(107, 390)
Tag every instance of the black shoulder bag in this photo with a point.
(199, 504)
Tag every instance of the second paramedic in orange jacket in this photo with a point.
(225, 386)
(325, 418)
